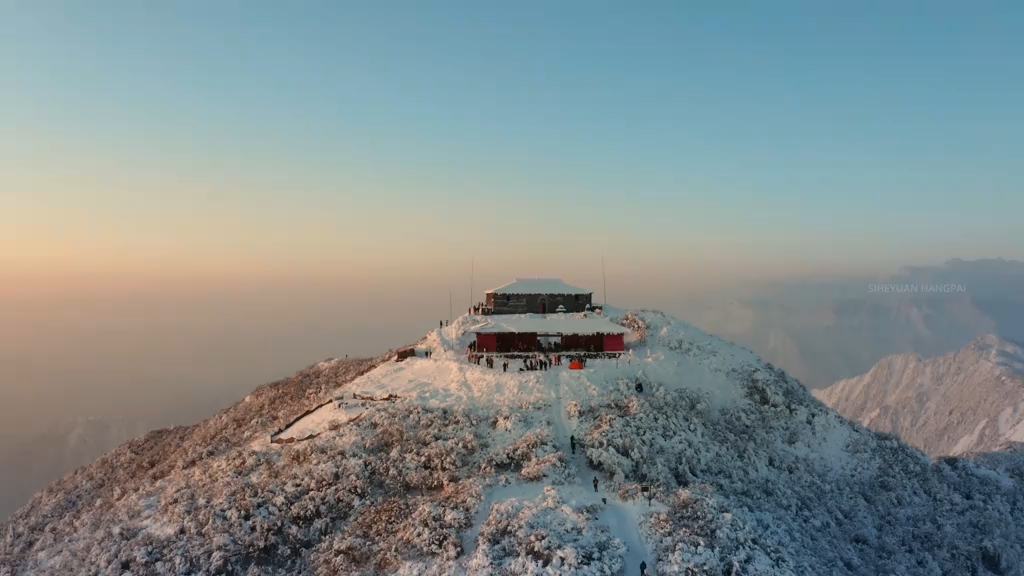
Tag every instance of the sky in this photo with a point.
(253, 136)
(202, 193)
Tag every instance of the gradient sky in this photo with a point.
(198, 197)
(197, 137)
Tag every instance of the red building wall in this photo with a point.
(527, 342)
(517, 342)
(486, 342)
(583, 343)
(614, 343)
(506, 342)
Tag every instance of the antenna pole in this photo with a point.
(604, 280)
(471, 263)
(449, 307)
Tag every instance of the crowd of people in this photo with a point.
(531, 362)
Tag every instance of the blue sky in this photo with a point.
(761, 136)
(228, 190)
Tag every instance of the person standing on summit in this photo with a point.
(595, 483)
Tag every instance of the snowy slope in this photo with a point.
(470, 471)
(971, 400)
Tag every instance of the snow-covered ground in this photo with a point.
(470, 471)
(447, 377)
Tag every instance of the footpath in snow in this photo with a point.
(621, 518)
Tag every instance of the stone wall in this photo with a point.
(530, 303)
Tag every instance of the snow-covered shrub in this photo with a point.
(533, 455)
(697, 535)
(543, 536)
(537, 469)
(636, 323)
(504, 420)
(823, 496)
(383, 536)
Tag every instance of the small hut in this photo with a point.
(403, 353)
(537, 296)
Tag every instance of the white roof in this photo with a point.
(539, 286)
(551, 324)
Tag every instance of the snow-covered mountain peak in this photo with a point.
(1000, 351)
(438, 465)
(970, 400)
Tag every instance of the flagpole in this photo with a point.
(604, 280)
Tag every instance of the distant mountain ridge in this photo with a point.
(825, 331)
(971, 400)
